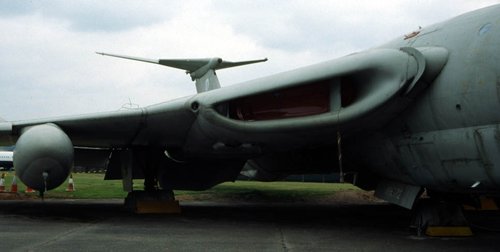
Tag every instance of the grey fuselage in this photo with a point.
(449, 138)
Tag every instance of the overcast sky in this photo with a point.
(48, 66)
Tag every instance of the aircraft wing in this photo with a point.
(336, 94)
(295, 110)
(111, 129)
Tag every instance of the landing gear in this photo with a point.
(150, 167)
(440, 218)
(153, 199)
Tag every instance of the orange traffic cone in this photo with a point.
(29, 190)
(71, 184)
(2, 183)
(13, 186)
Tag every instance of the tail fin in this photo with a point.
(202, 71)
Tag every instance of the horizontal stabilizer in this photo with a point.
(129, 58)
(201, 70)
(191, 65)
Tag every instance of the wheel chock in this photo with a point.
(448, 231)
(157, 207)
(487, 204)
(158, 202)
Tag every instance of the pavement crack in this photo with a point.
(282, 239)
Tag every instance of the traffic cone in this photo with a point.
(71, 184)
(2, 183)
(13, 186)
(29, 190)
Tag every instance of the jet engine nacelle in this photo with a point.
(43, 151)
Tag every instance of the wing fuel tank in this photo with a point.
(43, 157)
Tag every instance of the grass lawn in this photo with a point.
(93, 186)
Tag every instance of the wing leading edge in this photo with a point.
(355, 93)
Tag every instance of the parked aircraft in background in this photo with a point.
(6, 156)
(6, 160)
(420, 112)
